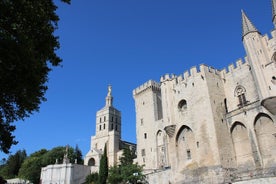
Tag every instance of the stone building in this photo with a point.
(209, 125)
(108, 134)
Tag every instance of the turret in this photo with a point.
(259, 58)
(247, 26)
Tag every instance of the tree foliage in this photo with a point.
(31, 169)
(11, 168)
(127, 171)
(27, 54)
(57, 154)
(103, 172)
(127, 157)
(92, 178)
(78, 155)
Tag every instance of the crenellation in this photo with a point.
(180, 78)
(145, 86)
(239, 62)
(203, 68)
(167, 77)
(193, 71)
(231, 67)
(222, 73)
(211, 69)
(186, 74)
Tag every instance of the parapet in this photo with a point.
(149, 84)
(193, 72)
(233, 67)
(167, 77)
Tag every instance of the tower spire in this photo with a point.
(247, 26)
(273, 3)
(109, 98)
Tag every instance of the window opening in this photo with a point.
(182, 105)
(240, 93)
(189, 154)
(143, 152)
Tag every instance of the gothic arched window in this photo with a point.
(240, 93)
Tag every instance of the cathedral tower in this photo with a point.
(108, 133)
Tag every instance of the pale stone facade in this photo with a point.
(108, 133)
(209, 125)
(65, 173)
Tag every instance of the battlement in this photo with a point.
(193, 72)
(167, 77)
(233, 67)
(149, 84)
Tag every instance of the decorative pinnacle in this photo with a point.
(247, 26)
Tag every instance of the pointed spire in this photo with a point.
(273, 11)
(109, 98)
(247, 26)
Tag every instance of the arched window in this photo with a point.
(240, 93)
(182, 105)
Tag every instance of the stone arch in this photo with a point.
(185, 143)
(91, 162)
(161, 149)
(242, 146)
(265, 134)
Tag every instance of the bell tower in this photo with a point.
(108, 133)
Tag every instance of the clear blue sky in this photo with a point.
(125, 43)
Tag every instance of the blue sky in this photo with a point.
(126, 43)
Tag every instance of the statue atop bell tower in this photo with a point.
(109, 98)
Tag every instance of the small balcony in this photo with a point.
(270, 104)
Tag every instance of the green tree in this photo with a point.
(11, 168)
(92, 178)
(103, 172)
(78, 155)
(57, 154)
(27, 55)
(126, 172)
(127, 157)
(132, 173)
(114, 175)
(31, 167)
